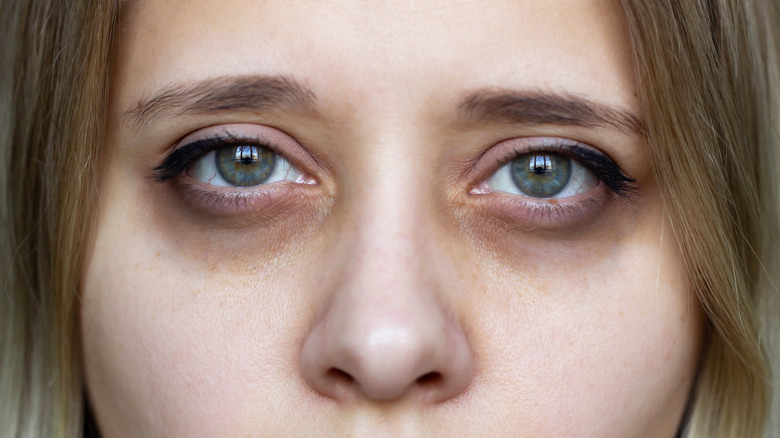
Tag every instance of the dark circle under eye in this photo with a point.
(541, 175)
(245, 166)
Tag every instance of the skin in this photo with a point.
(387, 298)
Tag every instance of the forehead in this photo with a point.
(377, 52)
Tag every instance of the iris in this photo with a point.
(245, 166)
(541, 175)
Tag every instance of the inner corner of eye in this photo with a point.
(482, 188)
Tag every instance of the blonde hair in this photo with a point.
(708, 81)
(54, 89)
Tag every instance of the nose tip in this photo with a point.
(388, 327)
(388, 359)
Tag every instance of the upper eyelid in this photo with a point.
(175, 163)
(273, 138)
(503, 152)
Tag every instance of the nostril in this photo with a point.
(430, 379)
(359, 350)
(340, 376)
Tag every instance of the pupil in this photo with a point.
(540, 164)
(541, 175)
(246, 154)
(245, 166)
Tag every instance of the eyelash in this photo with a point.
(538, 210)
(217, 199)
(182, 158)
(602, 167)
(552, 211)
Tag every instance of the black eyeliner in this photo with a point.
(606, 170)
(181, 158)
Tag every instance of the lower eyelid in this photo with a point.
(526, 214)
(228, 202)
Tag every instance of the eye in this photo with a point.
(549, 183)
(242, 165)
(225, 171)
(548, 175)
(237, 156)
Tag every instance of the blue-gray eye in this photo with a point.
(242, 166)
(541, 175)
(245, 166)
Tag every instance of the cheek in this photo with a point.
(598, 341)
(173, 345)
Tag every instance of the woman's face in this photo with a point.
(408, 218)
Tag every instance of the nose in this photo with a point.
(387, 333)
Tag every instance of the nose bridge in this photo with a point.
(392, 207)
(387, 288)
(390, 243)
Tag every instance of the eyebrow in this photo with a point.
(247, 93)
(264, 93)
(546, 108)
